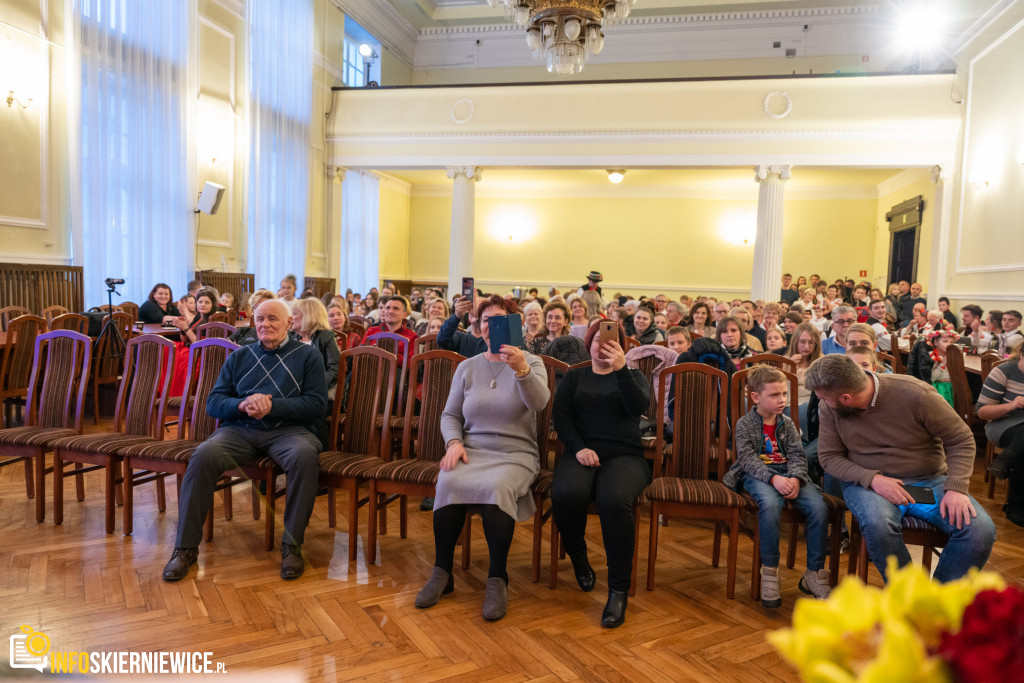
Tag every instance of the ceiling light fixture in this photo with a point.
(615, 176)
(565, 33)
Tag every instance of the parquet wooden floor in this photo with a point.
(93, 592)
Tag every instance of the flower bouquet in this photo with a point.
(914, 629)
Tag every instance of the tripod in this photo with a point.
(117, 345)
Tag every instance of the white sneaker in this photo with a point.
(816, 584)
(770, 596)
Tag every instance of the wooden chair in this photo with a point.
(898, 366)
(360, 432)
(232, 316)
(220, 317)
(16, 363)
(108, 358)
(56, 392)
(630, 344)
(359, 320)
(888, 358)
(683, 484)
(915, 532)
(9, 313)
(398, 345)
(740, 405)
(415, 473)
(70, 321)
(989, 360)
(774, 360)
(162, 458)
(358, 329)
(214, 329)
(51, 312)
(137, 420)
(963, 403)
(426, 342)
(131, 309)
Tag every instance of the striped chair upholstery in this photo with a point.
(431, 376)
(9, 313)
(915, 532)
(16, 362)
(54, 408)
(360, 431)
(149, 365)
(398, 345)
(690, 487)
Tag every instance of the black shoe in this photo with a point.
(615, 609)
(427, 504)
(292, 565)
(585, 575)
(182, 558)
(1015, 516)
(1002, 464)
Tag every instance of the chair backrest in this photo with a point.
(400, 346)
(583, 364)
(19, 349)
(359, 320)
(370, 395)
(631, 344)
(433, 385)
(989, 360)
(131, 308)
(554, 368)
(232, 316)
(774, 360)
(647, 365)
(145, 383)
(740, 402)
(962, 403)
(214, 329)
(357, 328)
(661, 343)
(107, 364)
(9, 313)
(55, 400)
(700, 398)
(426, 342)
(219, 317)
(205, 359)
(76, 322)
(51, 312)
(899, 367)
(887, 358)
(694, 334)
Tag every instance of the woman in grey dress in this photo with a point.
(489, 427)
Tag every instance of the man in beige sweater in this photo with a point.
(879, 433)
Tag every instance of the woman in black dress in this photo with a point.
(159, 307)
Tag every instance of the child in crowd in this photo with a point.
(866, 357)
(771, 467)
(775, 341)
(227, 300)
(678, 339)
(434, 326)
(940, 339)
(660, 321)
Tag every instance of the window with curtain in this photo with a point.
(360, 227)
(280, 118)
(354, 70)
(131, 203)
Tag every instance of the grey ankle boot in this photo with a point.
(495, 599)
(440, 583)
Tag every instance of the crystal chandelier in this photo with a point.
(565, 33)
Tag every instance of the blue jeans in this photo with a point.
(880, 523)
(769, 509)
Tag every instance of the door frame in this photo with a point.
(905, 216)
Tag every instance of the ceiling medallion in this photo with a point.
(565, 33)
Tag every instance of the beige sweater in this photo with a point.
(910, 433)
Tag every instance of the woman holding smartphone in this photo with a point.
(489, 426)
(596, 413)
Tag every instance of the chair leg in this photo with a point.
(371, 537)
(39, 481)
(794, 535)
(553, 561)
(161, 493)
(332, 513)
(835, 549)
(926, 558)
(58, 488)
(271, 500)
(111, 471)
(734, 537)
(229, 511)
(353, 517)
(403, 516)
(755, 566)
(79, 483)
(652, 548)
(115, 464)
(30, 488)
(129, 499)
(716, 547)
(862, 559)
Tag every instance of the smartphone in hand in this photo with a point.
(505, 329)
(920, 494)
(468, 288)
(606, 331)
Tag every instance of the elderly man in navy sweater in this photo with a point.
(268, 398)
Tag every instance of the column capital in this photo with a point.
(468, 172)
(941, 172)
(335, 172)
(780, 171)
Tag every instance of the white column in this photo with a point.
(460, 251)
(766, 282)
(940, 234)
(332, 217)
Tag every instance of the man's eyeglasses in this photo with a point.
(847, 321)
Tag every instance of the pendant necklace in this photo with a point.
(494, 375)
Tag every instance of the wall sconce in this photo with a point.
(616, 176)
(12, 98)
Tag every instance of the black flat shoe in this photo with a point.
(615, 609)
(585, 575)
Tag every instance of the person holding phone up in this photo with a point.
(597, 416)
(883, 434)
(489, 425)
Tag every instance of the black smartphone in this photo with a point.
(921, 494)
(505, 329)
(468, 287)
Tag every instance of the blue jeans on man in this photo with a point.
(880, 520)
(769, 510)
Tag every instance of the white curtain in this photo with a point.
(360, 226)
(130, 112)
(280, 76)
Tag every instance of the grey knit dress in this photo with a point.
(499, 430)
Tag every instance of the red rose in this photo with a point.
(989, 647)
